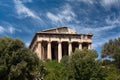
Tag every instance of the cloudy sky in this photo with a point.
(22, 18)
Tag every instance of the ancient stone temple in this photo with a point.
(55, 43)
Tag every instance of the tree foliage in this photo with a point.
(56, 71)
(81, 65)
(112, 71)
(17, 62)
(112, 49)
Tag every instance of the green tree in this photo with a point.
(112, 49)
(112, 71)
(17, 62)
(83, 66)
(55, 70)
(109, 48)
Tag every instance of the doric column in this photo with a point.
(69, 48)
(89, 46)
(49, 50)
(39, 51)
(80, 45)
(59, 51)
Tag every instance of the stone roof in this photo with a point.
(59, 30)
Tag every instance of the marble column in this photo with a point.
(39, 51)
(89, 46)
(59, 51)
(69, 48)
(49, 50)
(80, 45)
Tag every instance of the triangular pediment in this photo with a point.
(60, 30)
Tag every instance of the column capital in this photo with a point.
(39, 41)
(59, 42)
(49, 41)
(89, 43)
(70, 42)
(80, 42)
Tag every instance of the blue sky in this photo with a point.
(22, 18)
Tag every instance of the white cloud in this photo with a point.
(2, 29)
(110, 24)
(108, 3)
(8, 29)
(62, 16)
(25, 1)
(99, 29)
(52, 17)
(104, 2)
(23, 11)
(11, 29)
(85, 1)
(115, 21)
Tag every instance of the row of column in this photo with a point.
(49, 54)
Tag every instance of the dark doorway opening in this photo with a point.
(54, 50)
(74, 46)
(64, 48)
(85, 45)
